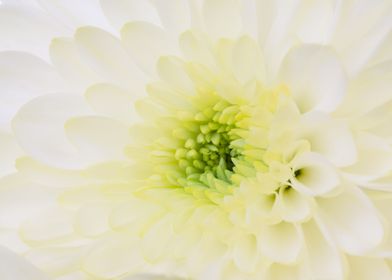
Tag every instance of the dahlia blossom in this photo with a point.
(199, 139)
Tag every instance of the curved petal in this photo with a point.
(13, 267)
(74, 13)
(112, 101)
(21, 199)
(352, 220)
(105, 54)
(329, 137)
(374, 159)
(28, 29)
(146, 43)
(313, 175)
(114, 257)
(281, 243)
(119, 12)
(65, 57)
(175, 17)
(248, 61)
(362, 268)
(315, 77)
(322, 256)
(98, 138)
(23, 77)
(39, 128)
(293, 206)
(215, 15)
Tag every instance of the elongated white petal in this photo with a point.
(329, 137)
(13, 267)
(98, 138)
(362, 268)
(315, 77)
(24, 76)
(352, 220)
(120, 12)
(216, 13)
(322, 256)
(281, 242)
(39, 128)
(145, 43)
(105, 54)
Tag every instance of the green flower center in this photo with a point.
(212, 147)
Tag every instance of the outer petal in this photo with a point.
(352, 220)
(20, 200)
(39, 128)
(23, 77)
(362, 268)
(216, 13)
(280, 243)
(13, 267)
(146, 43)
(98, 138)
(315, 77)
(105, 55)
(322, 256)
(120, 12)
(26, 28)
(329, 137)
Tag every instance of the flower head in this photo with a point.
(198, 139)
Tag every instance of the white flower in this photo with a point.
(201, 139)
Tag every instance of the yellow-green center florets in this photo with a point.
(212, 147)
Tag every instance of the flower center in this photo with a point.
(211, 149)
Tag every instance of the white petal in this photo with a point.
(315, 77)
(196, 46)
(105, 54)
(66, 59)
(26, 28)
(374, 159)
(98, 138)
(113, 257)
(284, 272)
(51, 225)
(280, 243)
(49, 176)
(23, 77)
(146, 43)
(293, 206)
(172, 70)
(222, 18)
(248, 62)
(316, 175)
(329, 137)
(113, 101)
(245, 252)
(74, 13)
(153, 277)
(20, 200)
(9, 151)
(39, 128)
(175, 15)
(357, 41)
(13, 267)
(120, 12)
(322, 256)
(352, 220)
(55, 261)
(362, 268)
(92, 219)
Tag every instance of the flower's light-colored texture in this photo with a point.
(199, 139)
